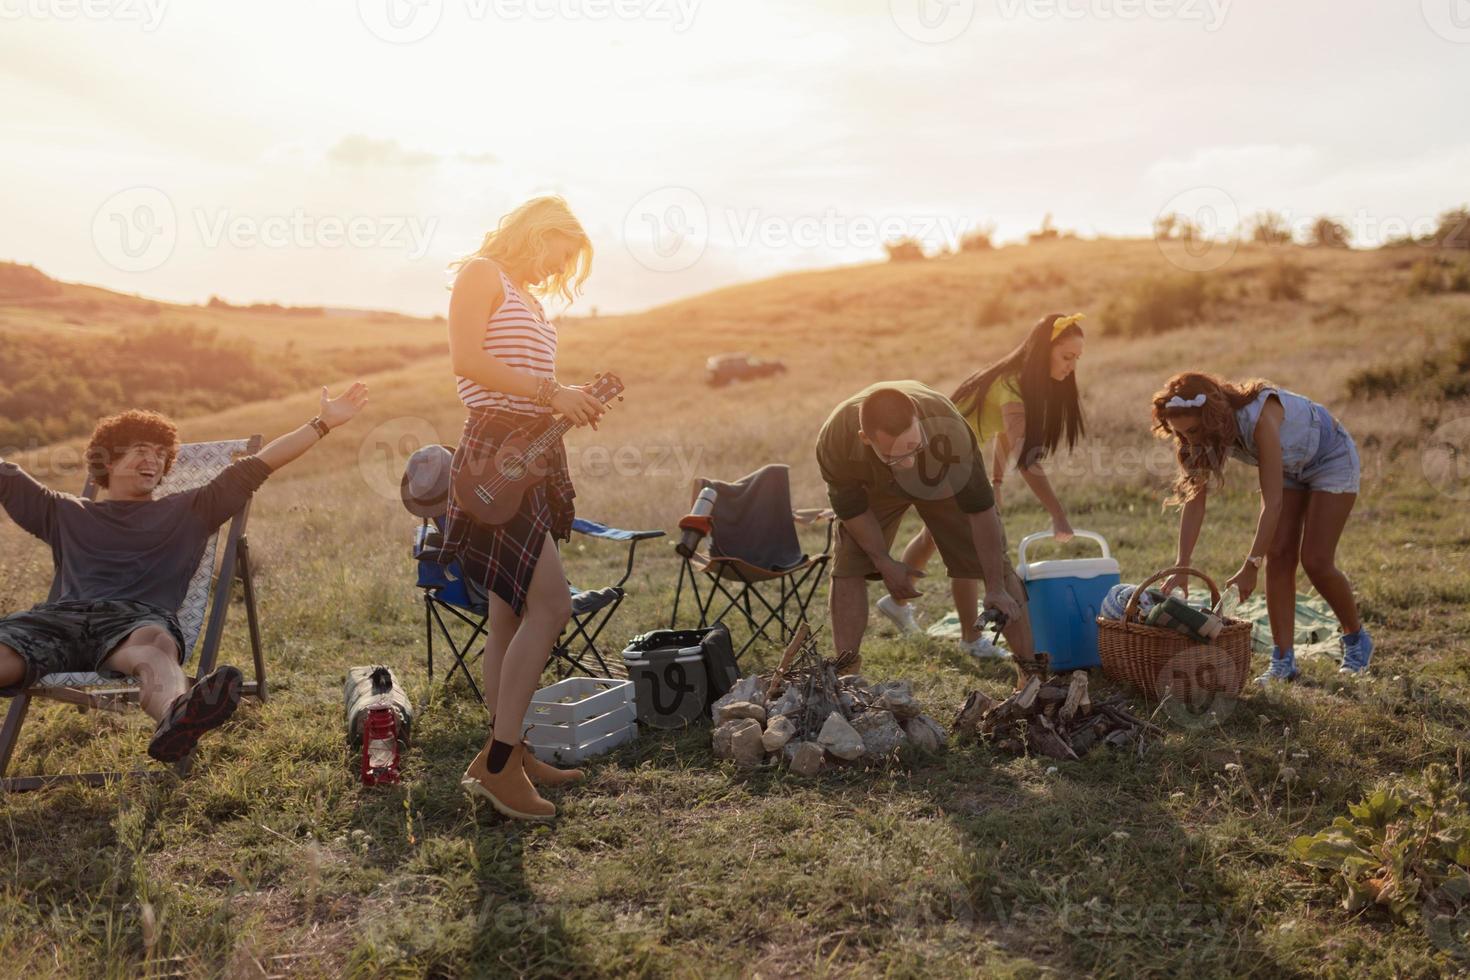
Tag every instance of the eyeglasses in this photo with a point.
(899, 460)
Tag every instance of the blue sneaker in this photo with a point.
(1283, 668)
(1357, 650)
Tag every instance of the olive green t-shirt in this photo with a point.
(949, 466)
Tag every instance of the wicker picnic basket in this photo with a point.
(1163, 663)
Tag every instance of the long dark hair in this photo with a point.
(1052, 407)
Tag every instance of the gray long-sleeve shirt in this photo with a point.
(144, 550)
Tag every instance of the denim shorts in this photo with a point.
(76, 636)
(1339, 471)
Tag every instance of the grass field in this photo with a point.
(271, 861)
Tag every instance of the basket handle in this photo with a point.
(1132, 606)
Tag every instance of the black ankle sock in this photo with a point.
(499, 755)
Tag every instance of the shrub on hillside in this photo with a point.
(980, 239)
(1284, 282)
(905, 250)
(1440, 374)
(1329, 233)
(1270, 228)
(994, 308)
(1156, 304)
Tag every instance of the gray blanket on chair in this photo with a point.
(752, 519)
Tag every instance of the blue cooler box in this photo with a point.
(1065, 596)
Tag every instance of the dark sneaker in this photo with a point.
(208, 704)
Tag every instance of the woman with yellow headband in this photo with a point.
(1026, 403)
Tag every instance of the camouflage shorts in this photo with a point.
(73, 637)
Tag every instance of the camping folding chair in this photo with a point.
(453, 605)
(755, 565)
(201, 618)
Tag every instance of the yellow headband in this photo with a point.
(1063, 322)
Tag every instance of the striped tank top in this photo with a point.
(519, 335)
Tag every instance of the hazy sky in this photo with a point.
(341, 152)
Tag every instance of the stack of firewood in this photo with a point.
(1055, 718)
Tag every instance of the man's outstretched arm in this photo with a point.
(31, 505)
(334, 412)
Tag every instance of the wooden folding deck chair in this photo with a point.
(202, 615)
(754, 560)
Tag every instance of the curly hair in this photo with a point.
(116, 433)
(1202, 463)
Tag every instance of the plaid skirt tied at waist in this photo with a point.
(502, 559)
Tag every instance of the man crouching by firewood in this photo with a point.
(123, 566)
(896, 445)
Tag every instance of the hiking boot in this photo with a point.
(545, 774)
(898, 614)
(509, 790)
(1283, 668)
(206, 705)
(1357, 650)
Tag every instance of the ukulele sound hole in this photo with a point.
(513, 468)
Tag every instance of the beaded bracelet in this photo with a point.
(545, 391)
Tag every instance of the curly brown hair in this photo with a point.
(116, 433)
(1202, 463)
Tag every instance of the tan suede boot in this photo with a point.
(545, 774)
(509, 790)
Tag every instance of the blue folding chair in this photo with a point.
(448, 594)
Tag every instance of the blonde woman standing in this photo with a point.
(503, 349)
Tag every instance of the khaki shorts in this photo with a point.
(949, 526)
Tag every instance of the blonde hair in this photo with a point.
(520, 243)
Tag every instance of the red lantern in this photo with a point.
(380, 747)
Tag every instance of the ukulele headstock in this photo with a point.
(606, 387)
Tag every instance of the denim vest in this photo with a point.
(1301, 430)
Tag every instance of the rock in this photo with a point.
(880, 732)
(745, 689)
(740, 709)
(789, 703)
(898, 697)
(806, 759)
(847, 702)
(740, 740)
(780, 731)
(924, 732)
(840, 738)
(853, 680)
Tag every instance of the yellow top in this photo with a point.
(986, 419)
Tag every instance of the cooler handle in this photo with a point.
(1039, 535)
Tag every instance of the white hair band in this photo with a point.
(1197, 401)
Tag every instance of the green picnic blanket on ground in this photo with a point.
(1316, 625)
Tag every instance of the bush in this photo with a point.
(1329, 233)
(1454, 229)
(905, 250)
(1284, 282)
(1157, 304)
(1270, 228)
(994, 308)
(1437, 376)
(978, 239)
(1426, 278)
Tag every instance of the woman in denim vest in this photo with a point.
(1309, 475)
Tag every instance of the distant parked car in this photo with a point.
(722, 369)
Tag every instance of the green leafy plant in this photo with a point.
(1406, 850)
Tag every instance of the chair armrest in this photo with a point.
(592, 529)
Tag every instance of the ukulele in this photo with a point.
(491, 490)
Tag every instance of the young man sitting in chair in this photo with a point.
(896, 445)
(124, 563)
